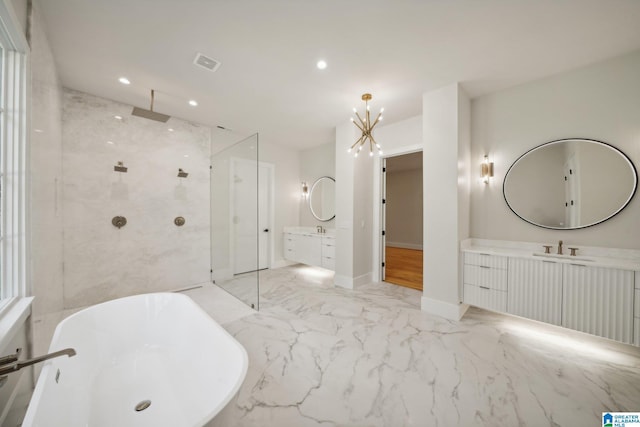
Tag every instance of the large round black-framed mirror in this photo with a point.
(322, 198)
(569, 184)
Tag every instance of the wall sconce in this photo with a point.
(305, 190)
(486, 171)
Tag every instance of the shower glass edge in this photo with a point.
(234, 218)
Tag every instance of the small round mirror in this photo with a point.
(322, 198)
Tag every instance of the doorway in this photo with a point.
(402, 220)
(251, 181)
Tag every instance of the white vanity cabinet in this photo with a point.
(598, 301)
(535, 289)
(310, 248)
(597, 292)
(485, 281)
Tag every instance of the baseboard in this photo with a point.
(404, 245)
(352, 282)
(443, 309)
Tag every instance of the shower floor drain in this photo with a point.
(143, 405)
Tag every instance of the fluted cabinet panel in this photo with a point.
(598, 301)
(636, 305)
(637, 331)
(535, 290)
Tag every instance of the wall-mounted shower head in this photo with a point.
(150, 114)
(182, 174)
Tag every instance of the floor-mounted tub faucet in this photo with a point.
(10, 363)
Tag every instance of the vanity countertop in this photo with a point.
(328, 232)
(624, 259)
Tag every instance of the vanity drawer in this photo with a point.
(289, 241)
(488, 277)
(486, 260)
(484, 297)
(328, 262)
(328, 251)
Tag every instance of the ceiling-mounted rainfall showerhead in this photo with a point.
(150, 114)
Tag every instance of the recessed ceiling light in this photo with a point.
(117, 117)
(193, 103)
(38, 130)
(170, 129)
(124, 81)
(186, 155)
(322, 64)
(110, 142)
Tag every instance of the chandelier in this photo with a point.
(366, 127)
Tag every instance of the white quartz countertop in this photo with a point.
(328, 232)
(625, 259)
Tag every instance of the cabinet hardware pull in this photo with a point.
(484, 287)
(578, 265)
(484, 266)
(484, 254)
(550, 262)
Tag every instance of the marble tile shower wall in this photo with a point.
(150, 253)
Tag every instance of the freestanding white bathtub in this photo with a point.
(159, 348)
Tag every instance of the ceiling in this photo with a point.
(268, 81)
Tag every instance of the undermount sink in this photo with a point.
(565, 257)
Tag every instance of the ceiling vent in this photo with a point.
(206, 62)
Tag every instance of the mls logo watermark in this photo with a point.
(621, 419)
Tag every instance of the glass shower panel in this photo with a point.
(234, 220)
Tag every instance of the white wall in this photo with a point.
(45, 173)
(446, 193)
(403, 222)
(345, 249)
(600, 102)
(315, 162)
(150, 253)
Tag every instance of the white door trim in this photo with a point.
(377, 203)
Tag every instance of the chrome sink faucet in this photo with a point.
(319, 229)
(10, 363)
(560, 247)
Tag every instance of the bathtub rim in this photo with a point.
(208, 417)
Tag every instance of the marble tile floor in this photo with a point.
(325, 356)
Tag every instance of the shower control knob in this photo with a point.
(119, 221)
(179, 221)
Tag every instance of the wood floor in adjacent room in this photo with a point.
(403, 267)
